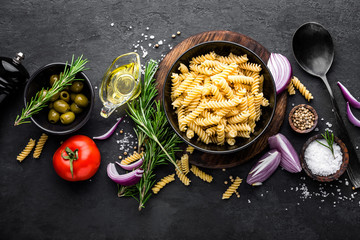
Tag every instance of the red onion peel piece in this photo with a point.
(348, 97)
(132, 166)
(351, 116)
(127, 179)
(110, 132)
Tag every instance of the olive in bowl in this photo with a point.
(59, 118)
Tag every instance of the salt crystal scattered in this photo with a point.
(147, 28)
(322, 119)
(161, 42)
(96, 87)
(293, 104)
(328, 124)
(249, 201)
(152, 37)
(316, 129)
(112, 24)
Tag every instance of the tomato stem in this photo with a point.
(71, 156)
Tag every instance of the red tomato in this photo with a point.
(81, 152)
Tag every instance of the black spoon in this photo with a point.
(314, 51)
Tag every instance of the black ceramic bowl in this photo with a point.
(39, 80)
(222, 48)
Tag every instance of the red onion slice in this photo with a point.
(264, 168)
(289, 157)
(110, 132)
(348, 97)
(126, 179)
(281, 70)
(132, 166)
(351, 116)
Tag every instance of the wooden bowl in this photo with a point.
(292, 113)
(222, 48)
(329, 178)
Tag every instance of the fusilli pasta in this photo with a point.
(40, 145)
(26, 151)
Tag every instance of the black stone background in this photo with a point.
(36, 204)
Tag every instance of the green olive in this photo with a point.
(77, 86)
(53, 116)
(51, 105)
(42, 93)
(53, 79)
(72, 96)
(55, 97)
(67, 118)
(81, 100)
(75, 108)
(64, 95)
(61, 106)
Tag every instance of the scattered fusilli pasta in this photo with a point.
(200, 174)
(184, 179)
(132, 158)
(234, 186)
(302, 89)
(159, 185)
(40, 145)
(26, 151)
(185, 164)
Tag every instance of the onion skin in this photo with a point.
(110, 132)
(351, 116)
(127, 179)
(132, 166)
(264, 168)
(281, 71)
(289, 158)
(348, 97)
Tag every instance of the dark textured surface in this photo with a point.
(36, 204)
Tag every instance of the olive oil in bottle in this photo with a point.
(121, 83)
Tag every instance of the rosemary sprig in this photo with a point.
(38, 102)
(153, 130)
(329, 140)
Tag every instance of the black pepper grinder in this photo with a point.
(13, 75)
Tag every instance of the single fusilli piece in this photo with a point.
(132, 158)
(200, 174)
(165, 180)
(190, 149)
(184, 179)
(302, 89)
(234, 186)
(185, 164)
(26, 151)
(291, 89)
(40, 145)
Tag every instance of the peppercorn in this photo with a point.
(178, 32)
(173, 36)
(121, 131)
(135, 147)
(120, 157)
(303, 118)
(226, 182)
(156, 45)
(125, 153)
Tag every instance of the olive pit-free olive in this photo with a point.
(61, 106)
(55, 97)
(72, 96)
(53, 79)
(67, 118)
(81, 100)
(75, 108)
(53, 116)
(64, 95)
(77, 86)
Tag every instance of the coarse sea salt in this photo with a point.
(320, 159)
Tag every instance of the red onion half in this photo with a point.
(281, 70)
(289, 158)
(264, 168)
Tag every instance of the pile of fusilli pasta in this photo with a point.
(218, 98)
